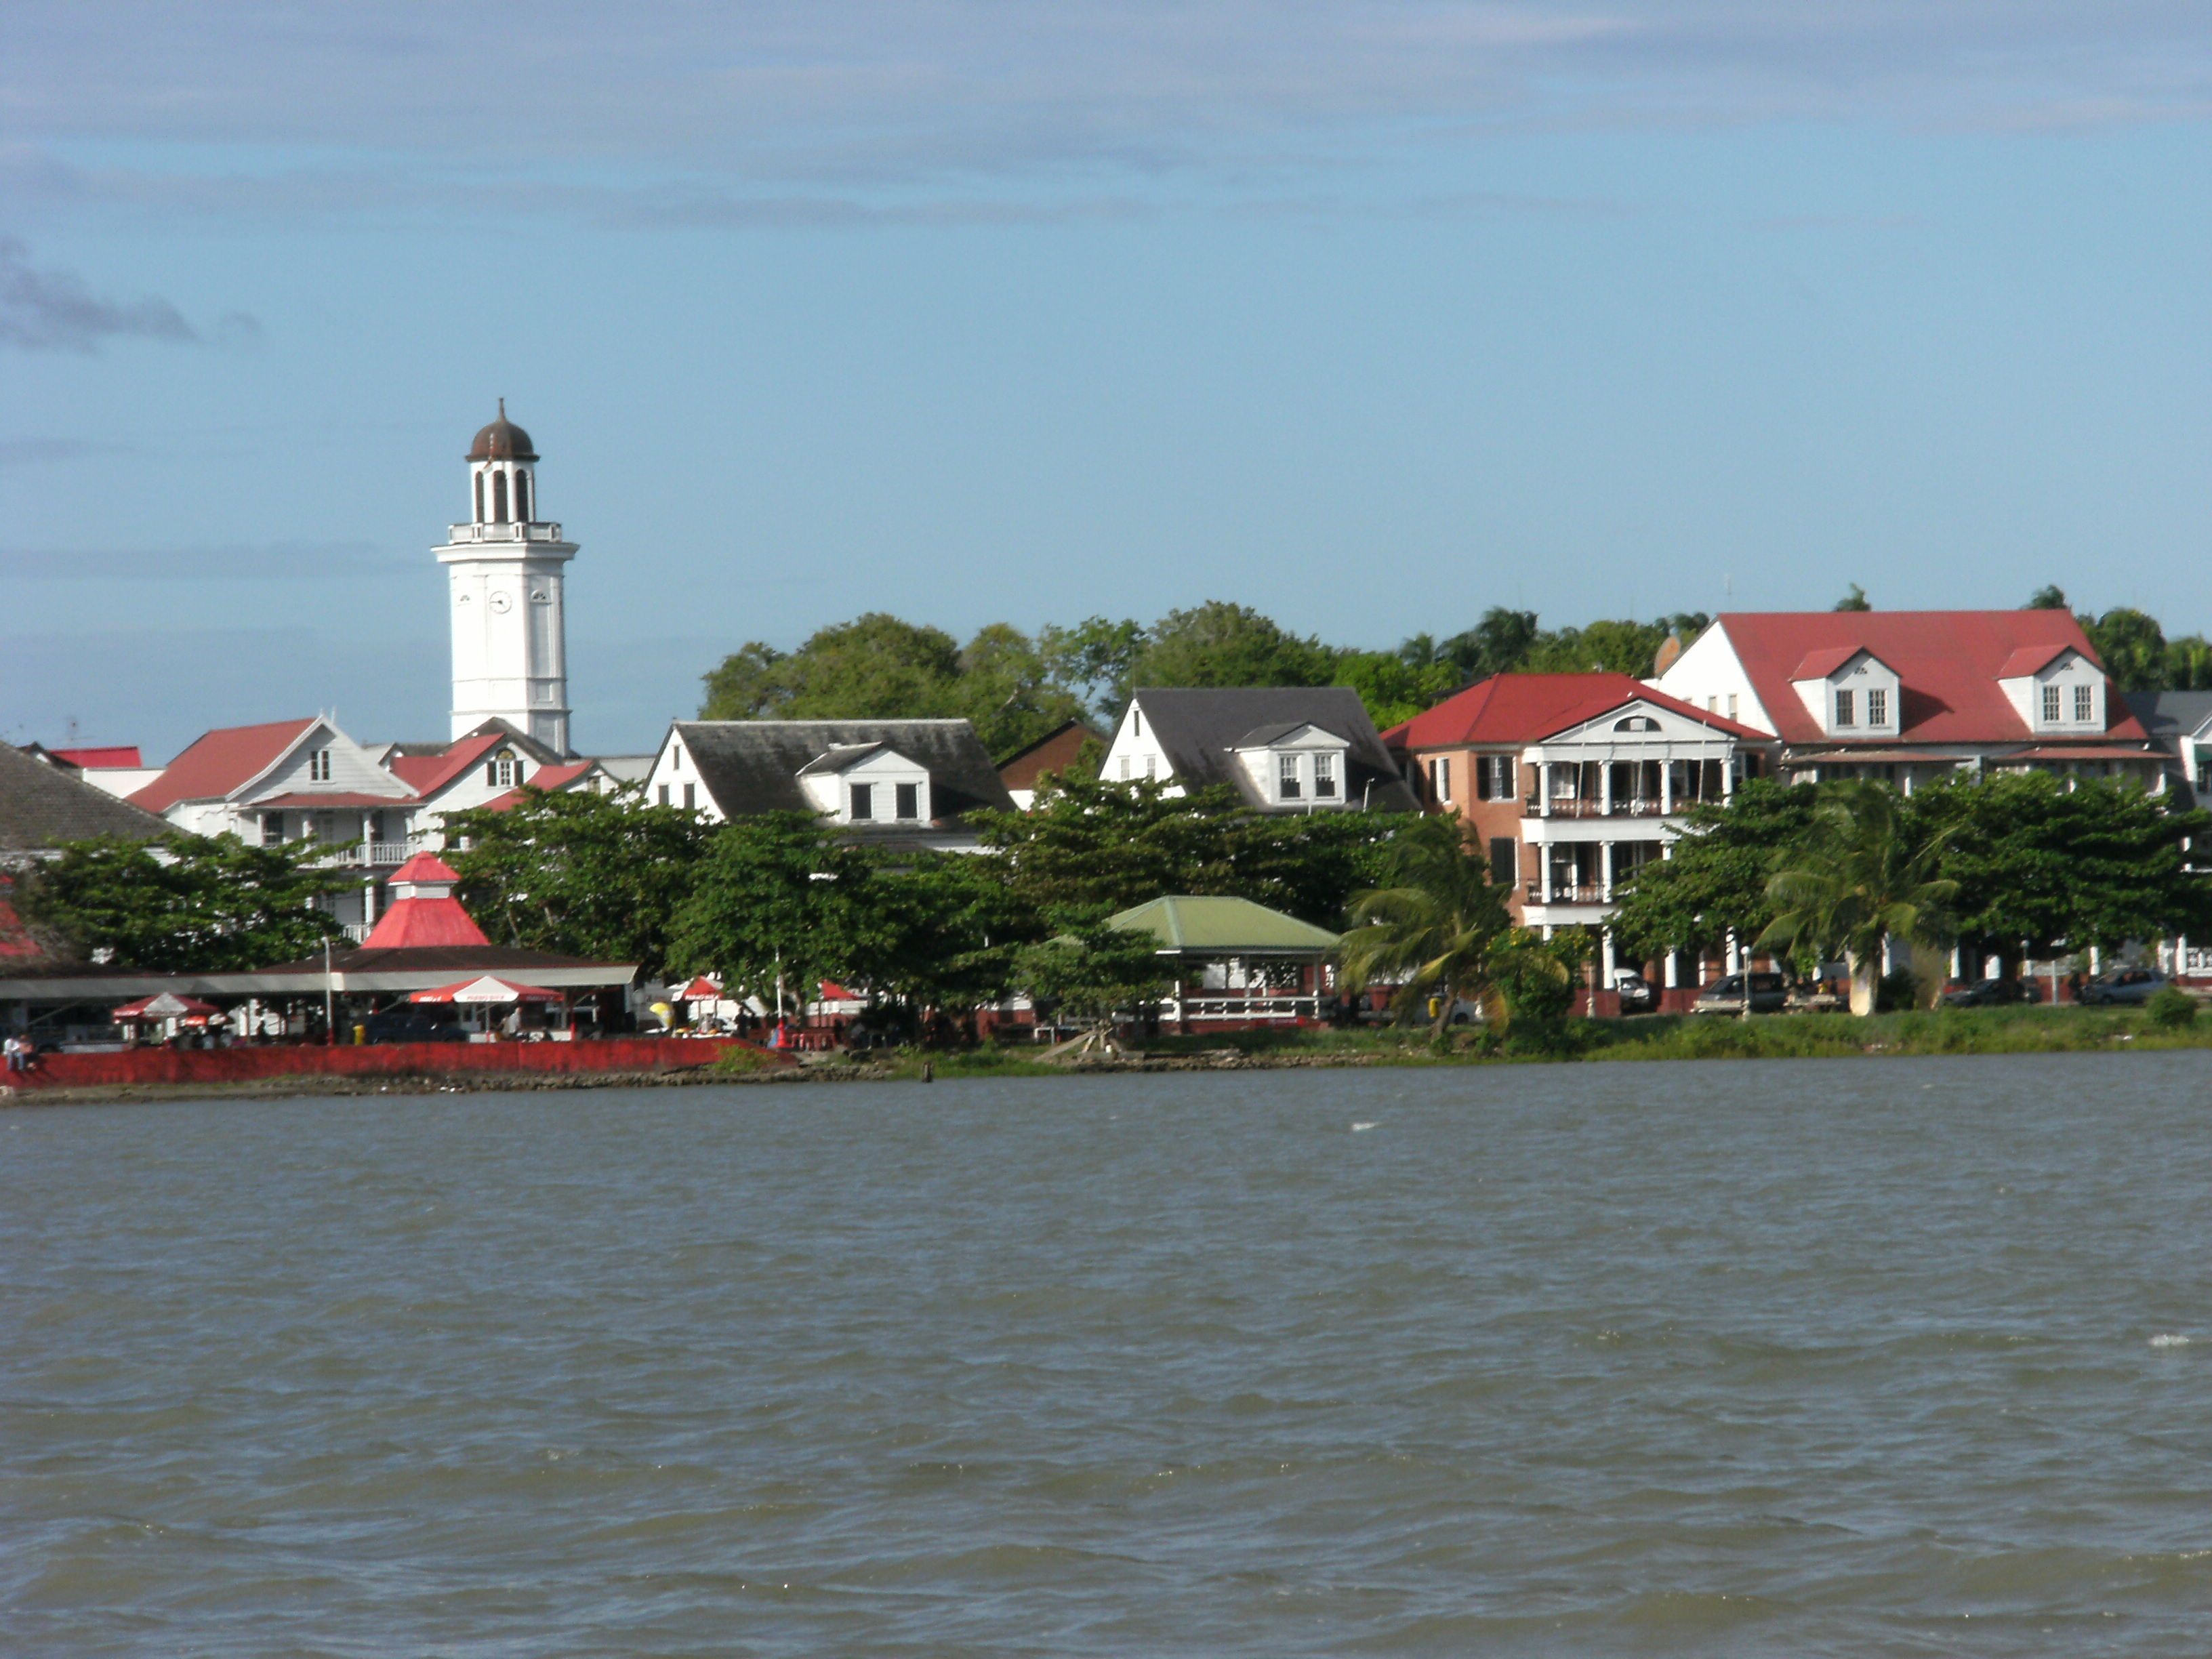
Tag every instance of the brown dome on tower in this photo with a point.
(502, 441)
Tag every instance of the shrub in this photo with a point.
(2170, 1009)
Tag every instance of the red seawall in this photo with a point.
(247, 1065)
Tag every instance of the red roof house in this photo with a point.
(1908, 694)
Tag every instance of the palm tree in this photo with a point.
(1441, 929)
(1862, 879)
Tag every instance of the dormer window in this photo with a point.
(1877, 706)
(1324, 777)
(1288, 774)
(1845, 712)
(2052, 705)
(499, 771)
(2085, 704)
(863, 798)
(909, 801)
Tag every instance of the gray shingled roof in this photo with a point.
(1199, 728)
(2169, 714)
(43, 806)
(753, 766)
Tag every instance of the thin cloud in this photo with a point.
(51, 310)
(38, 452)
(269, 561)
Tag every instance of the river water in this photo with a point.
(1807, 1358)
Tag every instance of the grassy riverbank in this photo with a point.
(1767, 1037)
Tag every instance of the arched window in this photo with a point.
(522, 497)
(479, 498)
(1637, 723)
(499, 498)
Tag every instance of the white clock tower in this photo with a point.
(506, 566)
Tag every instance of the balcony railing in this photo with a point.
(1566, 892)
(356, 931)
(502, 532)
(1583, 806)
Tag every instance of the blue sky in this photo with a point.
(1370, 316)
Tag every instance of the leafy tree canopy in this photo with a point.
(1217, 643)
(2041, 865)
(1854, 598)
(1092, 849)
(1715, 880)
(185, 903)
(586, 875)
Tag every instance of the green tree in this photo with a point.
(1008, 691)
(1093, 972)
(874, 667)
(1866, 874)
(2049, 597)
(2132, 646)
(1440, 931)
(583, 874)
(1091, 849)
(1094, 661)
(1854, 600)
(1714, 881)
(185, 903)
(1220, 644)
(779, 897)
(2046, 866)
(1615, 648)
(1393, 688)
(944, 931)
(1499, 643)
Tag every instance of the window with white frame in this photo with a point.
(908, 801)
(2051, 705)
(864, 802)
(319, 766)
(499, 771)
(1324, 777)
(1286, 778)
(2085, 703)
(1877, 705)
(272, 828)
(1440, 777)
(1846, 714)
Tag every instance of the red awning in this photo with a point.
(486, 988)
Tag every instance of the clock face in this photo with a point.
(499, 602)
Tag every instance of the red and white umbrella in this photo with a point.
(700, 989)
(487, 988)
(165, 1005)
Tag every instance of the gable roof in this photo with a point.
(1056, 749)
(43, 806)
(1199, 728)
(123, 756)
(1520, 708)
(426, 775)
(1949, 662)
(2032, 659)
(1824, 661)
(545, 780)
(750, 767)
(218, 762)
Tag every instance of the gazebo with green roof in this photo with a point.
(1237, 964)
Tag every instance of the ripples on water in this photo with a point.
(1809, 1359)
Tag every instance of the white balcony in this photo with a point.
(460, 534)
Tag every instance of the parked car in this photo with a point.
(2124, 984)
(1770, 994)
(1989, 993)
(1637, 994)
(410, 1025)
